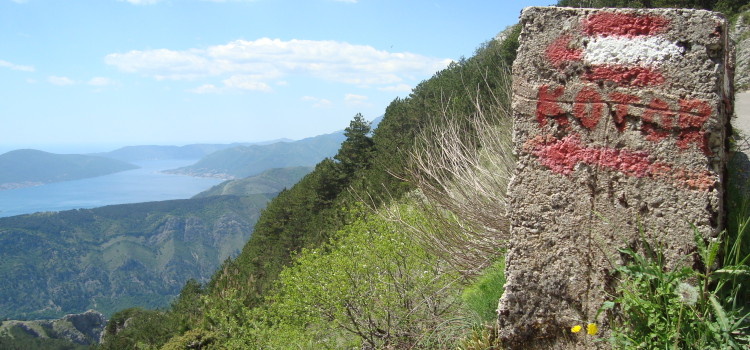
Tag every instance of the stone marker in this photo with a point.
(620, 120)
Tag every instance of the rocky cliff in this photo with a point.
(84, 328)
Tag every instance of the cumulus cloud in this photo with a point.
(60, 81)
(6, 64)
(255, 65)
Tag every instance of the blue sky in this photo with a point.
(98, 74)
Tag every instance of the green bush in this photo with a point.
(681, 308)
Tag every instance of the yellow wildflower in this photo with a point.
(591, 328)
(575, 329)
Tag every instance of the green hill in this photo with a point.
(28, 167)
(243, 161)
(155, 152)
(117, 256)
(269, 181)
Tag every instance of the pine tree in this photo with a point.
(356, 151)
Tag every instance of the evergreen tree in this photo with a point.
(356, 151)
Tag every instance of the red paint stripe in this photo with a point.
(558, 51)
(625, 76)
(562, 155)
(619, 24)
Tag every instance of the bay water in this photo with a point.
(133, 186)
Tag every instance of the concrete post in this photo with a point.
(620, 121)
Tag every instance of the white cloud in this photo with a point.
(318, 102)
(100, 81)
(162, 63)
(60, 81)
(20, 1)
(348, 1)
(255, 65)
(355, 100)
(12, 66)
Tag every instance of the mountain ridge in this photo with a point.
(243, 161)
(29, 167)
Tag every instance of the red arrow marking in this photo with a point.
(562, 155)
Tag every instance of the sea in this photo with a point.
(145, 184)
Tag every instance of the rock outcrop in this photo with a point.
(84, 328)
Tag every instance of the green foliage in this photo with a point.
(187, 309)
(680, 308)
(137, 328)
(19, 339)
(483, 294)
(117, 256)
(371, 281)
(355, 153)
(194, 339)
(369, 286)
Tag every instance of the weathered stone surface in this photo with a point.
(741, 36)
(620, 121)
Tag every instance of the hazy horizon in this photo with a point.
(87, 148)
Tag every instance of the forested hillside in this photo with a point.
(395, 242)
(242, 161)
(269, 181)
(28, 167)
(117, 256)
